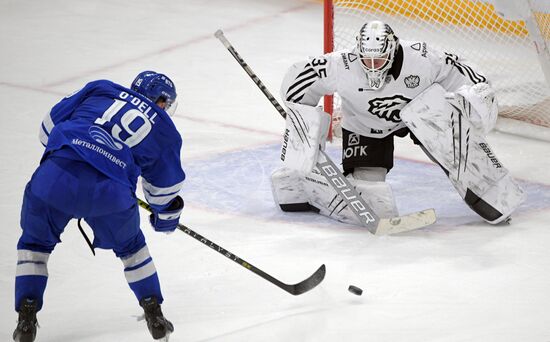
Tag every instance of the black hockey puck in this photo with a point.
(355, 290)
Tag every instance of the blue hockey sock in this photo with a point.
(141, 274)
(31, 276)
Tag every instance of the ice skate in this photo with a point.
(159, 327)
(27, 323)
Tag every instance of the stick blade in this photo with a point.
(304, 286)
(406, 223)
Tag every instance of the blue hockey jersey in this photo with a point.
(122, 134)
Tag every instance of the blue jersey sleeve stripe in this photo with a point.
(43, 136)
(45, 130)
(171, 194)
(48, 123)
(159, 200)
(156, 191)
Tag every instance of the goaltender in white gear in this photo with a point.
(449, 105)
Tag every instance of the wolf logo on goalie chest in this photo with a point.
(388, 108)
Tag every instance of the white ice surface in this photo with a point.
(459, 280)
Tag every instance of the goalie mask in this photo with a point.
(376, 47)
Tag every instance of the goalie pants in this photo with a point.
(361, 151)
(62, 189)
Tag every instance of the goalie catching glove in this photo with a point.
(167, 219)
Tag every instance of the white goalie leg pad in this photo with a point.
(288, 190)
(505, 196)
(306, 129)
(324, 198)
(447, 136)
(379, 196)
(294, 192)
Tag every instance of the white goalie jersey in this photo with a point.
(376, 113)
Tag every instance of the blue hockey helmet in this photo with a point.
(155, 87)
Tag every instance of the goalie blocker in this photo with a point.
(305, 132)
(448, 137)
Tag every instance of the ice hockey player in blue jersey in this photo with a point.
(98, 141)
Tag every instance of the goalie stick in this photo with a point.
(294, 289)
(365, 214)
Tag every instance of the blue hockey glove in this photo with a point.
(167, 219)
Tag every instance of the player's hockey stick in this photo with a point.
(295, 289)
(337, 180)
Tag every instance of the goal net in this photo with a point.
(507, 39)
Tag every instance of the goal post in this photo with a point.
(328, 46)
(508, 40)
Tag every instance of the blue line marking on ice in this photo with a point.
(239, 183)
